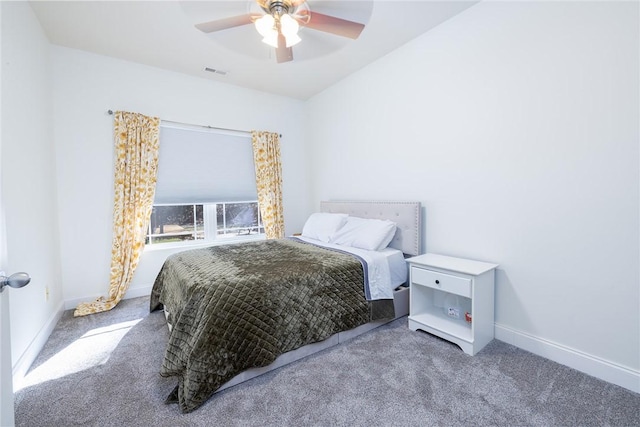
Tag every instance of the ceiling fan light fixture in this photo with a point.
(271, 39)
(288, 25)
(278, 21)
(292, 40)
(265, 25)
(289, 28)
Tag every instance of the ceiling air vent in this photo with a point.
(213, 70)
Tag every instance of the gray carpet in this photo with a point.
(102, 370)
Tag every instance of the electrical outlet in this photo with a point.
(46, 293)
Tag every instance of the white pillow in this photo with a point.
(364, 233)
(321, 226)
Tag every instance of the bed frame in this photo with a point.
(407, 215)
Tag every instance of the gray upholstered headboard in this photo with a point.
(407, 215)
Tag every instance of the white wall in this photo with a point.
(85, 87)
(516, 125)
(28, 179)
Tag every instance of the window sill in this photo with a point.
(203, 243)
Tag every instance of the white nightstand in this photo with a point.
(453, 299)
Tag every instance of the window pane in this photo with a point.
(176, 223)
(238, 219)
(200, 222)
(220, 215)
(241, 215)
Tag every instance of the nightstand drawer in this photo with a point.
(444, 282)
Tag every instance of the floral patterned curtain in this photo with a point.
(266, 157)
(136, 146)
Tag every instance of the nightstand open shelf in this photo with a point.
(445, 292)
(426, 312)
(439, 322)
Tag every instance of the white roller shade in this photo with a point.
(197, 165)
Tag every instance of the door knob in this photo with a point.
(16, 280)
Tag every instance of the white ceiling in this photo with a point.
(162, 34)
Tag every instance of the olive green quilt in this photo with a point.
(237, 306)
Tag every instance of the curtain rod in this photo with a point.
(110, 112)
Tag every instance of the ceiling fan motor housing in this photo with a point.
(278, 7)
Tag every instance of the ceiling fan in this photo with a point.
(278, 22)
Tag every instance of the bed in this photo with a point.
(237, 311)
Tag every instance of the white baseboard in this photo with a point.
(591, 365)
(24, 362)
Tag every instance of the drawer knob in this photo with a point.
(437, 282)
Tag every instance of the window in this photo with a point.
(206, 187)
(202, 222)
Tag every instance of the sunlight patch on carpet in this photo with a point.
(90, 350)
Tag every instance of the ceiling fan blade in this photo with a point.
(283, 53)
(333, 25)
(223, 24)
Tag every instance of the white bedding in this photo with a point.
(387, 268)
